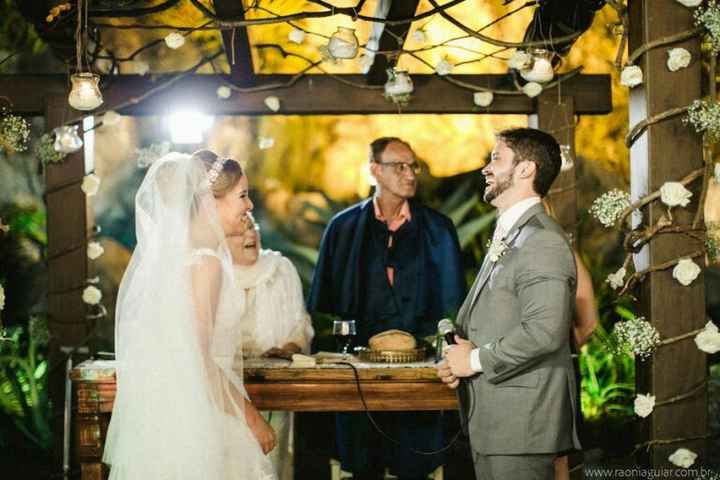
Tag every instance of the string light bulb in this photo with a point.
(343, 43)
(85, 93)
(67, 139)
(540, 69)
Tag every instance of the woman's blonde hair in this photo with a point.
(228, 177)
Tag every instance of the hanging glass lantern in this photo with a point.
(540, 69)
(343, 43)
(67, 139)
(85, 93)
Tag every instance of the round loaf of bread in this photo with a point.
(392, 340)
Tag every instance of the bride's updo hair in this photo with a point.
(228, 177)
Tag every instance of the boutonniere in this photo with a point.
(497, 249)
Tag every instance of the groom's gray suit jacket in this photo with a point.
(519, 313)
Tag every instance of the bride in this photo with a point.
(181, 411)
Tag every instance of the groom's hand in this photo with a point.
(443, 371)
(458, 358)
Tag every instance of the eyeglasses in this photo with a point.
(402, 167)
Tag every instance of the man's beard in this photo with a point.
(501, 184)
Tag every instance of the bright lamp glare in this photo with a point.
(188, 127)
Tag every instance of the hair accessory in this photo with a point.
(215, 170)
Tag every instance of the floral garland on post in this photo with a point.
(638, 337)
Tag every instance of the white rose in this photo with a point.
(644, 404)
(296, 36)
(709, 339)
(139, 67)
(683, 457)
(673, 194)
(717, 172)
(686, 271)
(532, 89)
(678, 58)
(92, 295)
(90, 184)
(519, 60)
(631, 76)
(483, 99)
(265, 142)
(690, 3)
(223, 92)
(94, 250)
(617, 279)
(273, 103)
(110, 118)
(419, 35)
(443, 67)
(2, 298)
(174, 40)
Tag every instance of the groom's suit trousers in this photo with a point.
(516, 467)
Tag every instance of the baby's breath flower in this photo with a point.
(636, 337)
(708, 16)
(45, 151)
(704, 116)
(14, 132)
(608, 207)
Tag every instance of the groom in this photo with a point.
(514, 371)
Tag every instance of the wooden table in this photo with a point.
(272, 385)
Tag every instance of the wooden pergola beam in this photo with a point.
(311, 95)
(392, 38)
(237, 43)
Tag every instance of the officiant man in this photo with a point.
(513, 353)
(389, 262)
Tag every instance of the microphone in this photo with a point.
(447, 330)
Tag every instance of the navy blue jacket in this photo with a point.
(336, 288)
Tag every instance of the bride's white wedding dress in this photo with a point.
(179, 410)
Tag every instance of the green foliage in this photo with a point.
(24, 400)
(608, 380)
(16, 34)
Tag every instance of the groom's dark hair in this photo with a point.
(538, 147)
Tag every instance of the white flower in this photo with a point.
(683, 457)
(709, 339)
(174, 40)
(223, 92)
(419, 35)
(717, 172)
(273, 103)
(519, 60)
(690, 3)
(631, 76)
(443, 67)
(265, 142)
(2, 298)
(90, 184)
(617, 279)
(644, 404)
(110, 118)
(482, 99)
(139, 67)
(673, 194)
(678, 58)
(686, 271)
(92, 295)
(94, 250)
(497, 249)
(296, 36)
(532, 89)
(636, 337)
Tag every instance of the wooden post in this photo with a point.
(556, 116)
(668, 151)
(67, 261)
